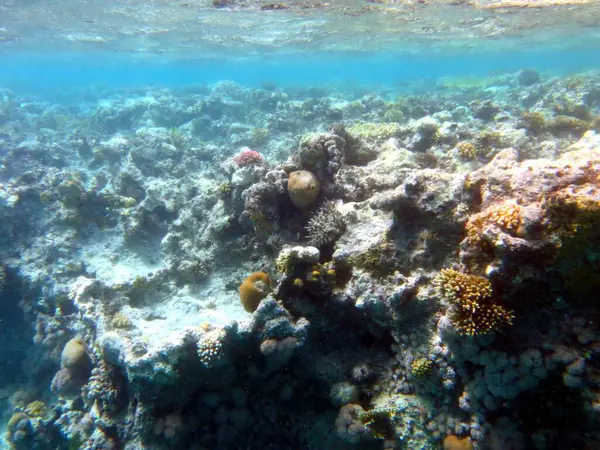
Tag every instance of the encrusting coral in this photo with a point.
(472, 311)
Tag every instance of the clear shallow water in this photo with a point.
(131, 43)
(53, 76)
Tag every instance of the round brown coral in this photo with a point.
(303, 188)
(453, 442)
(253, 289)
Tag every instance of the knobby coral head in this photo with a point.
(247, 157)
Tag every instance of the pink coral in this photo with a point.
(247, 157)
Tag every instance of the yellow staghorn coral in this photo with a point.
(473, 311)
(36, 409)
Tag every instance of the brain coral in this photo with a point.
(74, 354)
(303, 188)
(253, 289)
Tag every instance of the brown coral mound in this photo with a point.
(74, 354)
(303, 188)
(454, 443)
(253, 289)
(473, 311)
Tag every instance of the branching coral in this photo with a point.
(505, 216)
(325, 226)
(573, 221)
(472, 311)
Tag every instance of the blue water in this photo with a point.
(48, 75)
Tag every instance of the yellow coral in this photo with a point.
(466, 150)
(452, 442)
(284, 262)
(506, 216)
(568, 124)
(259, 136)
(570, 209)
(473, 311)
(379, 131)
(36, 409)
(488, 139)
(225, 189)
(378, 421)
(421, 367)
(534, 121)
(120, 320)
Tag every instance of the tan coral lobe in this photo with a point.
(253, 289)
(303, 188)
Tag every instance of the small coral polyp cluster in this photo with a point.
(202, 269)
(472, 311)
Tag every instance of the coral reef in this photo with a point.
(423, 270)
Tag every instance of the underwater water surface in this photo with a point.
(312, 225)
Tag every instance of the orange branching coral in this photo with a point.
(506, 216)
(473, 311)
